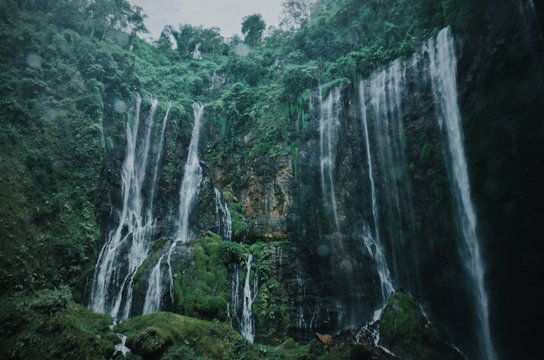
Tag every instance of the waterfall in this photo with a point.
(248, 324)
(373, 243)
(385, 94)
(188, 193)
(157, 163)
(329, 125)
(224, 220)
(234, 304)
(405, 87)
(443, 70)
(122, 348)
(197, 55)
(126, 247)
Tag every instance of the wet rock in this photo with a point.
(325, 339)
(405, 330)
(151, 343)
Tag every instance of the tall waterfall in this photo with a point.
(234, 304)
(373, 243)
(224, 220)
(443, 70)
(329, 125)
(126, 247)
(188, 193)
(248, 324)
(390, 96)
(157, 163)
(385, 95)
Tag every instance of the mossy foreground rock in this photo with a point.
(49, 325)
(406, 331)
(170, 336)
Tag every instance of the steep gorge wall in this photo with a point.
(312, 277)
(501, 82)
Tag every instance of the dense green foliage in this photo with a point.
(50, 325)
(169, 336)
(69, 70)
(153, 335)
(252, 28)
(203, 291)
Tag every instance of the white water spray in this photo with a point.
(329, 125)
(111, 289)
(157, 162)
(188, 193)
(224, 220)
(248, 324)
(443, 69)
(373, 243)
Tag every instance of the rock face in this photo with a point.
(406, 331)
(501, 79)
(317, 274)
(324, 338)
(166, 335)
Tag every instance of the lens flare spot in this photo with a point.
(323, 250)
(120, 106)
(241, 49)
(33, 60)
(50, 114)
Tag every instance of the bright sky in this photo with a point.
(226, 14)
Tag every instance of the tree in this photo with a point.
(252, 28)
(295, 13)
(136, 20)
(165, 40)
(115, 15)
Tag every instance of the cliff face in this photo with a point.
(340, 197)
(502, 90)
(500, 81)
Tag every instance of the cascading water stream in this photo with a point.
(224, 220)
(443, 70)
(126, 247)
(248, 325)
(234, 305)
(329, 125)
(385, 93)
(122, 348)
(157, 163)
(189, 189)
(376, 250)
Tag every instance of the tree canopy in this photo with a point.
(252, 28)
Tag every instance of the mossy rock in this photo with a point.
(165, 335)
(49, 325)
(406, 332)
(151, 343)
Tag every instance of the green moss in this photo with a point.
(49, 325)
(239, 224)
(151, 336)
(203, 290)
(326, 88)
(405, 331)
(272, 315)
(426, 153)
(403, 315)
(314, 350)
(155, 252)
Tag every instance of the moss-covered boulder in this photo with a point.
(166, 335)
(405, 330)
(49, 325)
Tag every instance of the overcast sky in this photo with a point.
(226, 14)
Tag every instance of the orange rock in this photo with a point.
(324, 338)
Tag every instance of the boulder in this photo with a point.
(406, 331)
(325, 339)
